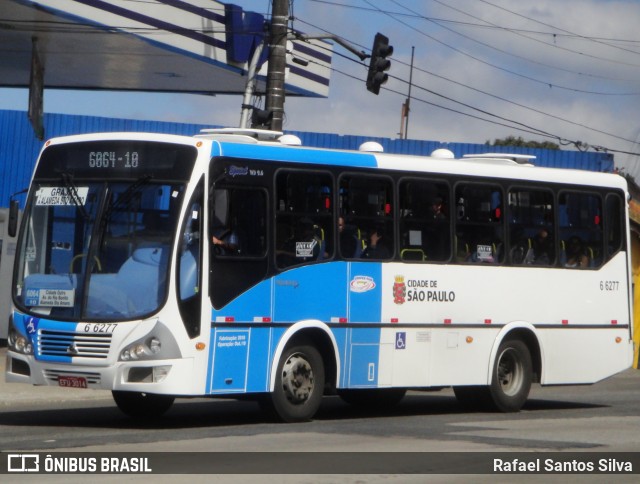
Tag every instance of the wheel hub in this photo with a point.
(510, 373)
(297, 379)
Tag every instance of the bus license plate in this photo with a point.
(72, 381)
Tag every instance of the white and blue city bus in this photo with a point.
(231, 264)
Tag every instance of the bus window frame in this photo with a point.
(393, 213)
(600, 194)
(443, 182)
(499, 224)
(553, 226)
(332, 215)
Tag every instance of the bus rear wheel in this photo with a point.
(299, 385)
(511, 377)
(510, 381)
(142, 405)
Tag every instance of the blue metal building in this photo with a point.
(19, 147)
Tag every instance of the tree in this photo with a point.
(521, 143)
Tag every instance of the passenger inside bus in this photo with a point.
(541, 249)
(577, 256)
(351, 243)
(225, 241)
(437, 211)
(376, 249)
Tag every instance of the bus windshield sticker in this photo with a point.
(61, 196)
(59, 298)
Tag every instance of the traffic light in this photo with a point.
(379, 63)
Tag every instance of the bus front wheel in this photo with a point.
(299, 385)
(142, 405)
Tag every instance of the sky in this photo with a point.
(546, 70)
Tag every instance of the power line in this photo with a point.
(591, 39)
(581, 74)
(553, 45)
(515, 124)
(483, 26)
(518, 74)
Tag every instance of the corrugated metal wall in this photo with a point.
(19, 147)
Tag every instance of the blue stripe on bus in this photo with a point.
(296, 155)
(30, 326)
(238, 342)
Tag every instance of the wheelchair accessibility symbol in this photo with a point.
(401, 339)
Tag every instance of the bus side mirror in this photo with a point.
(14, 210)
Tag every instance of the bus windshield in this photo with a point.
(97, 250)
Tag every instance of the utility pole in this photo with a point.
(277, 62)
(404, 129)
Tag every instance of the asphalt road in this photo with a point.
(601, 420)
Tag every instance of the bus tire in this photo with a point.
(382, 398)
(299, 385)
(142, 405)
(511, 377)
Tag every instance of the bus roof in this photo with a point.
(270, 145)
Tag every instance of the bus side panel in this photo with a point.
(241, 358)
(585, 355)
(311, 292)
(241, 352)
(574, 352)
(253, 305)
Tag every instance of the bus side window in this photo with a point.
(614, 224)
(479, 224)
(581, 232)
(531, 223)
(424, 221)
(238, 223)
(304, 217)
(366, 205)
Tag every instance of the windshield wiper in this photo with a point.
(125, 197)
(72, 189)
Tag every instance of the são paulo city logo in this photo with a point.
(399, 290)
(419, 290)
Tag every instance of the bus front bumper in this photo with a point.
(168, 377)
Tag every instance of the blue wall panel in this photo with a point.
(19, 147)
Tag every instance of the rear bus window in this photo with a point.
(580, 221)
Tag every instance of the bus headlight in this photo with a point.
(17, 342)
(158, 344)
(136, 352)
